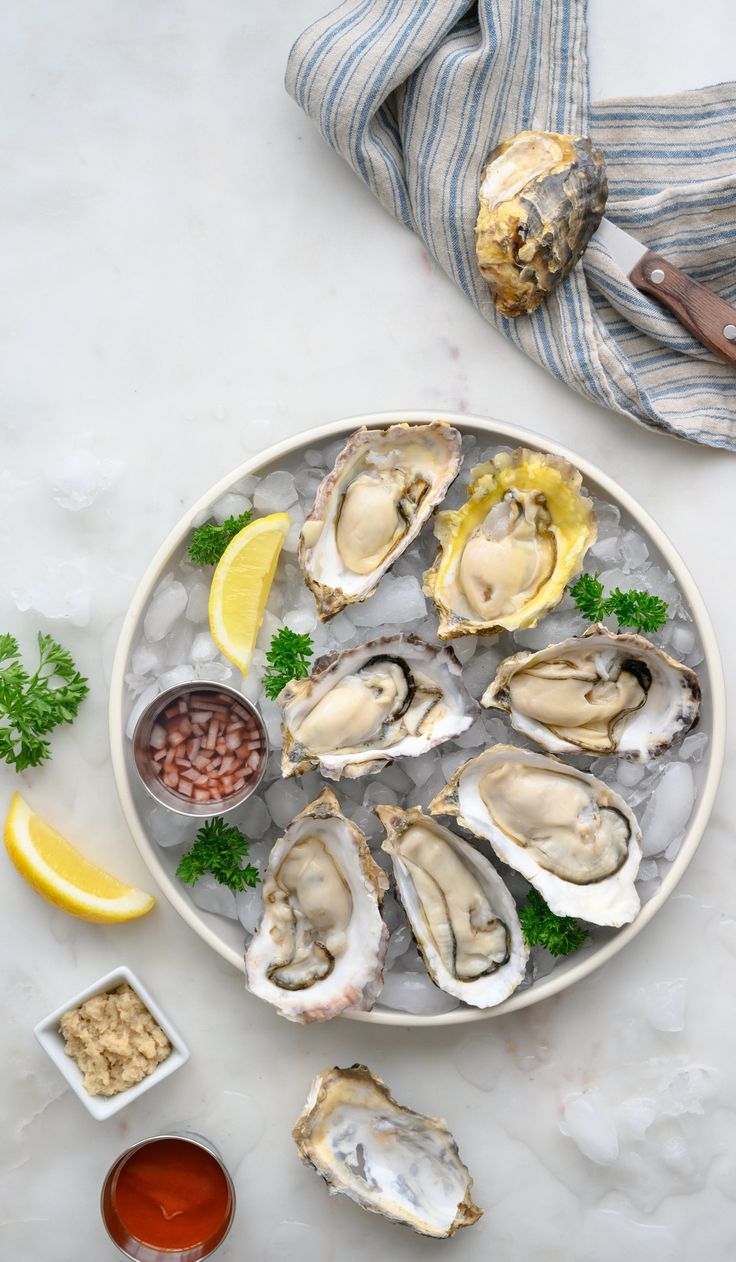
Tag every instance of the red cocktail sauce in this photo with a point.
(169, 1194)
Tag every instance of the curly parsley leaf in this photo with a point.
(209, 541)
(637, 609)
(219, 848)
(559, 934)
(288, 658)
(31, 706)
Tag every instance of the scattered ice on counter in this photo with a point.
(230, 505)
(416, 993)
(634, 1117)
(197, 603)
(668, 808)
(276, 492)
(663, 1004)
(142, 702)
(687, 1090)
(203, 648)
(79, 477)
(397, 600)
(163, 610)
(285, 799)
(249, 907)
(588, 1122)
(209, 895)
(57, 589)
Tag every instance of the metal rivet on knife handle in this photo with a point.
(657, 275)
(730, 332)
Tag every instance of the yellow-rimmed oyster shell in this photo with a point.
(506, 556)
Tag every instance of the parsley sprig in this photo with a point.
(31, 706)
(209, 541)
(218, 848)
(559, 934)
(288, 658)
(636, 609)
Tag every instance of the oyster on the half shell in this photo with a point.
(463, 918)
(394, 697)
(542, 196)
(321, 942)
(383, 488)
(387, 1158)
(598, 693)
(506, 556)
(569, 834)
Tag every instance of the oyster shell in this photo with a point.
(598, 693)
(572, 837)
(542, 197)
(394, 697)
(321, 943)
(387, 1158)
(506, 556)
(462, 916)
(383, 488)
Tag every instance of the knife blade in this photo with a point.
(711, 320)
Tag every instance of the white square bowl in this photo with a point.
(49, 1036)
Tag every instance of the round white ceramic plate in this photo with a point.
(226, 937)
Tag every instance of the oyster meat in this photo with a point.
(321, 943)
(461, 914)
(569, 834)
(598, 693)
(386, 1158)
(383, 488)
(394, 697)
(542, 196)
(506, 556)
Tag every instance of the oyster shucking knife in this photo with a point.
(542, 198)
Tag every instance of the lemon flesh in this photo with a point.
(58, 872)
(241, 584)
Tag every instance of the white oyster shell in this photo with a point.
(569, 834)
(385, 1157)
(383, 488)
(599, 693)
(321, 942)
(346, 717)
(462, 916)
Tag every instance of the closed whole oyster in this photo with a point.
(387, 1158)
(393, 697)
(569, 834)
(506, 556)
(542, 196)
(383, 488)
(321, 943)
(598, 693)
(463, 918)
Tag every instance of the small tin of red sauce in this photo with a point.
(169, 1197)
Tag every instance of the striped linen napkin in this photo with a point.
(415, 93)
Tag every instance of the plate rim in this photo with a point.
(557, 981)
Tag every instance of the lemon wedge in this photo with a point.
(241, 584)
(61, 874)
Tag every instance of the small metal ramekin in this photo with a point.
(167, 797)
(136, 1250)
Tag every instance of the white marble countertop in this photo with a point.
(156, 300)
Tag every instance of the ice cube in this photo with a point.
(392, 912)
(269, 627)
(588, 1122)
(609, 519)
(668, 809)
(214, 672)
(634, 551)
(314, 456)
(451, 760)
(249, 907)
(630, 773)
(687, 1090)
(203, 648)
(398, 944)
(464, 647)
(396, 778)
(163, 610)
(197, 603)
(648, 870)
(291, 542)
(284, 799)
(169, 829)
(398, 600)
(379, 794)
(79, 477)
(145, 659)
(682, 639)
(275, 493)
(421, 768)
(693, 747)
(481, 669)
(411, 992)
(307, 480)
(634, 1117)
(179, 643)
(608, 551)
(271, 716)
(210, 896)
(136, 684)
(364, 818)
(57, 589)
(301, 620)
(474, 738)
(663, 1004)
(144, 700)
(254, 819)
(176, 676)
(230, 505)
(676, 1155)
(341, 627)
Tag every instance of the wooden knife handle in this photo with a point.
(707, 316)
